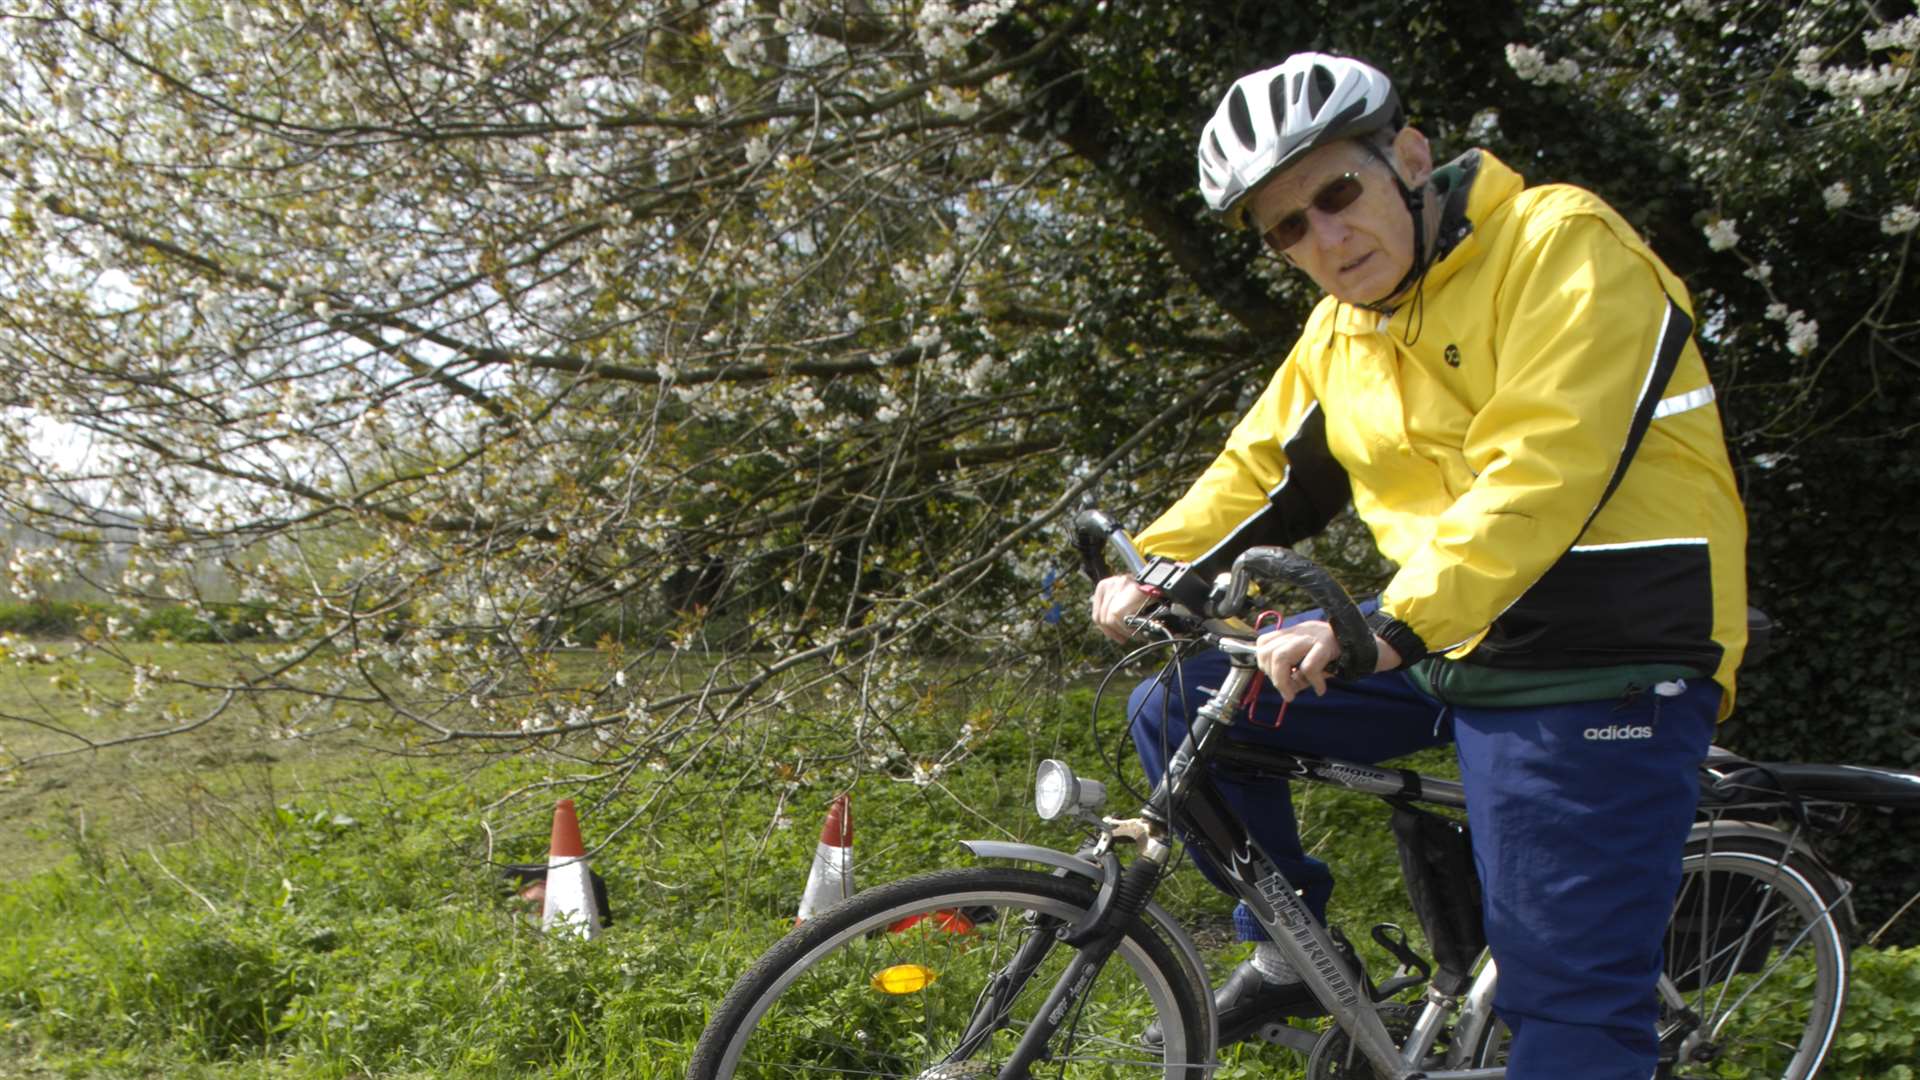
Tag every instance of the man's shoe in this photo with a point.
(1247, 1002)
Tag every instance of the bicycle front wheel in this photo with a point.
(937, 977)
(1756, 965)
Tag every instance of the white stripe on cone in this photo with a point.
(569, 907)
(831, 878)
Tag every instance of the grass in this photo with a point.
(218, 907)
(54, 712)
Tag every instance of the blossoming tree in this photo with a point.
(600, 375)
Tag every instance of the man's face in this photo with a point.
(1358, 253)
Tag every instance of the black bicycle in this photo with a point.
(1003, 971)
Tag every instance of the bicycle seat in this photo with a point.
(1862, 784)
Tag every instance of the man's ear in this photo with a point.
(1414, 156)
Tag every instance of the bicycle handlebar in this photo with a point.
(1358, 654)
(1094, 532)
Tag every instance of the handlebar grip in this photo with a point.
(1093, 532)
(1358, 653)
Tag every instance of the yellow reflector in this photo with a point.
(903, 979)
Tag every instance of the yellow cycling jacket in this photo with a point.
(1535, 444)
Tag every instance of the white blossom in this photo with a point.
(1533, 66)
(1904, 34)
(1900, 219)
(1837, 194)
(1802, 333)
(947, 101)
(1722, 235)
(944, 32)
(1845, 82)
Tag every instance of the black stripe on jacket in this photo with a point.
(1675, 331)
(1314, 490)
(1617, 604)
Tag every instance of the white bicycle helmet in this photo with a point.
(1272, 118)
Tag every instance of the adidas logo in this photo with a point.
(1618, 731)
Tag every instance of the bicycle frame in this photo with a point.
(1188, 795)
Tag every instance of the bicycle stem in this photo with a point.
(1215, 715)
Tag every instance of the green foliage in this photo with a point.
(1881, 1034)
(363, 933)
(222, 622)
(223, 990)
(53, 618)
(173, 622)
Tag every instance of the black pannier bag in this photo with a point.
(1436, 861)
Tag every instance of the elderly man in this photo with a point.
(1503, 381)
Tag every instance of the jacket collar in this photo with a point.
(1469, 190)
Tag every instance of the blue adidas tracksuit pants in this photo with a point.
(1579, 814)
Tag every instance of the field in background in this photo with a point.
(228, 903)
(156, 792)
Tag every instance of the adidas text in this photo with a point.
(1619, 731)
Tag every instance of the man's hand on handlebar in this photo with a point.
(1114, 599)
(1295, 657)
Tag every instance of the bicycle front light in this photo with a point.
(1057, 791)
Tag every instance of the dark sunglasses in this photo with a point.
(1336, 195)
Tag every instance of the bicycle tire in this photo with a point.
(817, 1003)
(1756, 971)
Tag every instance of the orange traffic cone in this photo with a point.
(570, 905)
(831, 879)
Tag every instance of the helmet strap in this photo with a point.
(1416, 274)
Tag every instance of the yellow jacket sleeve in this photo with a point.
(1274, 483)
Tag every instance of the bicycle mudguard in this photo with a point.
(1183, 945)
(1737, 829)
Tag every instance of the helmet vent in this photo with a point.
(1241, 117)
(1323, 85)
(1353, 112)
